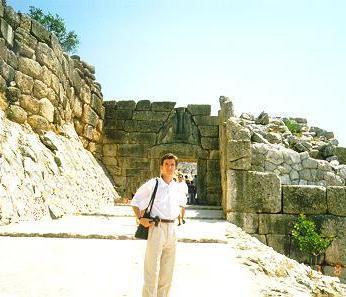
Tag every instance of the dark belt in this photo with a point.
(157, 220)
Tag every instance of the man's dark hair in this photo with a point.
(169, 156)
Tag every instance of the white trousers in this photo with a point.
(159, 260)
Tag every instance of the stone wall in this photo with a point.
(47, 176)
(295, 168)
(137, 134)
(43, 87)
(266, 186)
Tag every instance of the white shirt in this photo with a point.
(184, 187)
(168, 200)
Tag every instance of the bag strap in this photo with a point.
(151, 202)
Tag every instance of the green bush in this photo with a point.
(308, 240)
(293, 126)
(55, 24)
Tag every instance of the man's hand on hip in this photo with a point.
(146, 222)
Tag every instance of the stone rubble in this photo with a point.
(278, 275)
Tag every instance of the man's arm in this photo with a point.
(143, 221)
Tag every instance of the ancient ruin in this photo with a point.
(64, 150)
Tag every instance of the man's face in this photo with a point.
(168, 168)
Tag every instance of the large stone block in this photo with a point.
(3, 101)
(202, 120)
(89, 116)
(24, 82)
(7, 32)
(144, 138)
(40, 89)
(247, 221)
(29, 67)
(279, 242)
(340, 152)
(213, 166)
(250, 191)
(40, 32)
(96, 104)
(38, 122)
(135, 163)
(143, 105)
(238, 155)
(150, 115)
(210, 143)
(30, 104)
(214, 154)
(17, 114)
(209, 131)
(339, 272)
(131, 150)
(46, 56)
(199, 109)
(122, 114)
(116, 136)
(330, 225)
(235, 131)
(6, 71)
(149, 126)
(336, 200)
(46, 109)
(304, 199)
(126, 104)
(13, 94)
(336, 253)
(162, 106)
(276, 223)
(110, 149)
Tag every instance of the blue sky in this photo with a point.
(287, 58)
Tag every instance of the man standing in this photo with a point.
(161, 243)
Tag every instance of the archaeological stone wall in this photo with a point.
(137, 134)
(43, 87)
(266, 186)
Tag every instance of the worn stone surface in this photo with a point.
(336, 200)
(54, 174)
(276, 223)
(253, 192)
(304, 199)
(199, 109)
(247, 221)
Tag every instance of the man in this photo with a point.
(161, 243)
(184, 188)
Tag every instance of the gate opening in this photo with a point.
(188, 171)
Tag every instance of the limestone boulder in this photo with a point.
(276, 223)
(256, 192)
(304, 199)
(247, 221)
(336, 200)
(46, 109)
(30, 104)
(17, 114)
(38, 123)
(199, 109)
(29, 67)
(7, 32)
(238, 154)
(24, 82)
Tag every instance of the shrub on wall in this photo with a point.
(308, 240)
(55, 24)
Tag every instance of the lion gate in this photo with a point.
(137, 134)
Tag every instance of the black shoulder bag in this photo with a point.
(142, 232)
